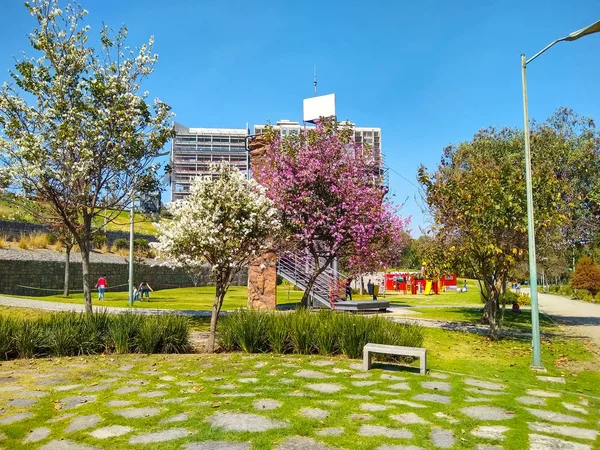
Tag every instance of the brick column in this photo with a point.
(262, 271)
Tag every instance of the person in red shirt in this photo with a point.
(101, 285)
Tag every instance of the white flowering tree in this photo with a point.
(225, 221)
(75, 131)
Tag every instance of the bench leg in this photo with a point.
(423, 361)
(367, 359)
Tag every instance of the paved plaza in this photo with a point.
(242, 402)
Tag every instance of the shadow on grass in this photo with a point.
(399, 368)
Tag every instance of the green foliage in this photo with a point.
(583, 294)
(305, 332)
(99, 240)
(523, 299)
(72, 334)
(587, 276)
(75, 127)
(477, 198)
(121, 244)
(141, 244)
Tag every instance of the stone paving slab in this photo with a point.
(487, 413)
(554, 416)
(160, 436)
(579, 433)
(138, 413)
(540, 442)
(83, 422)
(244, 422)
(376, 430)
(111, 431)
(65, 444)
(16, 418)
(218, 445)
(302, 443)
(39, 434)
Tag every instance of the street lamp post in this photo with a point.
(132, 234)
(535, 318)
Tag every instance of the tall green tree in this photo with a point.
(75, 129)
(478, 203)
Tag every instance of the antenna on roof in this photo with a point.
(315, 81)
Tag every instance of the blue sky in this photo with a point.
(429, 73)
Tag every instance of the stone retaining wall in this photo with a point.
(38, 278)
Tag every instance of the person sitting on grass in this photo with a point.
(145, 289)
(516, 307)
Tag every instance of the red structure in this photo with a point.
(448, 280)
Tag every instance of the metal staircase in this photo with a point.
(296, 267)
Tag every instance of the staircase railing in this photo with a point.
(297, 267)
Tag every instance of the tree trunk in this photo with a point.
(84, 244)
(67, 264)
(361, 283)
(214, 318)
(491, 309)
(311, 282)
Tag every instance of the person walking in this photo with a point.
(348, 289)
(101, 285)
(145, 289)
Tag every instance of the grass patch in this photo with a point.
(473, 315)
(189, 298)
(457, 355)
(471, 297)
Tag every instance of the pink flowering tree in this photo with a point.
(329, 193)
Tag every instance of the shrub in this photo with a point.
(326, 339)
(302, 331)
(28, 338)
(583, 294)
(148, 337)
(587, 276)
(175, 335)
(355, 332)
(3, 241)
(122, 330)
(278, 334)
(99, 240)
(326, 332)
(7, 332)
(121, 244)
(141, 244)
(61, 335)
(23, 242)
(523, 299)
(566, 290)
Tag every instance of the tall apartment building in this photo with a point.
(194, 149)
(285, 127)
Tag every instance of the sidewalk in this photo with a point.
(57, 306)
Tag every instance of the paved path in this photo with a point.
(58, 306)
(582, 318)
(234, 401)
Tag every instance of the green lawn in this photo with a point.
(473, 315)
(10, 211)
(197, 383)
(200, 298)
(471, 297)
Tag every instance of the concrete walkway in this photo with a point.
(57, 306)
(580, 318)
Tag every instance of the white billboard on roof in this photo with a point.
(321, 106)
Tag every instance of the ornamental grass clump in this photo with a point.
(74, 334)
(306, 332)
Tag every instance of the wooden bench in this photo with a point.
(369, 349)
